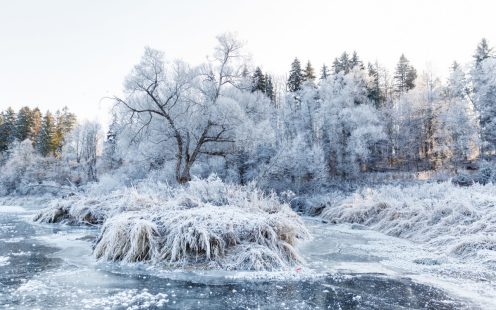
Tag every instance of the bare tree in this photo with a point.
(186, 103)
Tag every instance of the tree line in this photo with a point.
(228, 117)
(238, 122)
(46, 131)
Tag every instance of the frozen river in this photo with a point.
(51, 267)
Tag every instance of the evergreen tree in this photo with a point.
(484, 95)
(45, 142)
(68, 120)
(355, 61)
(344, 60)
(405, 75)
(457, 83)
(24, 123)
(309, 73)
(457, 118)
(336, 66)
(7, 129)
(245, 83)
(482, 52)
(324, 72)
(258, 81)
(342, 64)
(35, 125)
(64, 122)
(374, 86)
(244, 73)
(296, 77)
(269, 88)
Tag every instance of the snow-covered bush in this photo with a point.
(485, 175)
(206, 224)
(26, 172)
(299, 167)
(454, 220)
(463, 179)
(96, 205)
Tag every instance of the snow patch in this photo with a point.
(130, 299)
(12, 209)
(4, 261)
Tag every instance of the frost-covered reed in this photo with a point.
(459, 221)
(206, 224)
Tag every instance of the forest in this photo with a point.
(311, 130)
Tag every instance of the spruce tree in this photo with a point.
(324, 72)
(309, 73)
(342, 64)
(258, 81)
(482, 52)
(336, 66)
(355, 61)
(7, 129)
(484, 95)
(269, 89)
(374, 92)
(405, 75)
(24, 123)
(295, 76)
(45, 142)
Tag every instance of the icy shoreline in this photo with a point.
(457, 221)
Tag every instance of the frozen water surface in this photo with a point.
(348, 267)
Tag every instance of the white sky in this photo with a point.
(59, 52)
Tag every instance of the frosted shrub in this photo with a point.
(128, 237)
(206, 224)
(452, 219)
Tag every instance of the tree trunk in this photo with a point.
(185, 176)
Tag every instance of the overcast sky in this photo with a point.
(75, 52)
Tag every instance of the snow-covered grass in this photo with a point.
(94, 206)
(206, 224)
(459, 221)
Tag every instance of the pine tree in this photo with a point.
(324, 72)
(64, 122)
(68, 120)
(258, 81)
(405, 76)
(24, 123)
(45, 142)
(295, 76)
(309, 73)
(7, 129)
